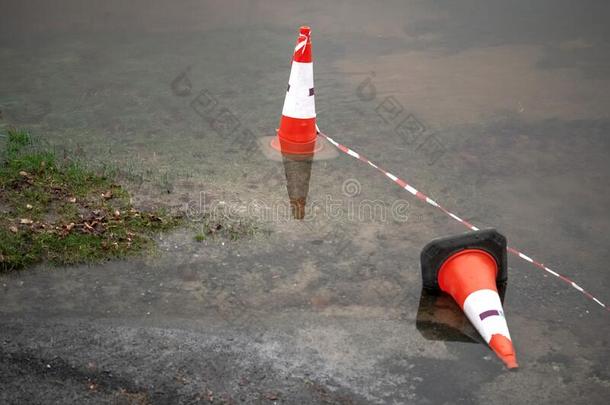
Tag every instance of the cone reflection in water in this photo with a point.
(439, 318)
(298, 172)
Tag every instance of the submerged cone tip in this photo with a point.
(504, 349)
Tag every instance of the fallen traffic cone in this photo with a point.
(297, 134)
(470, 267)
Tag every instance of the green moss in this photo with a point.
(64, 213)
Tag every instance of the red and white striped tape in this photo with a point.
(428, 200)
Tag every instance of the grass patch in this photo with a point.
(64, 213)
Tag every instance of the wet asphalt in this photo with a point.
(508, 112)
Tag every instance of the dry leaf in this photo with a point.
(26, 221)
(107, 195)
(72, 199)
(24, 174)
(29, 206)
(13, 229)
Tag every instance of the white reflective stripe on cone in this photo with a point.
(298, 103)
(484, 310)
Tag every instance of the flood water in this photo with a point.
(497, 110)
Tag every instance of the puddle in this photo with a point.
(506, 131)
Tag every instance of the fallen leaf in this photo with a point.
(29, 206)
(26, 221)
(72, 199)
(13, 229)
(24, 174)
(107, 195)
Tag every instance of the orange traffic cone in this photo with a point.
(469, 267)
(297, 134)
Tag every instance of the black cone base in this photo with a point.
(436, 252)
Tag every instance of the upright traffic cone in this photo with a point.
(297, 133)
(470, 267)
